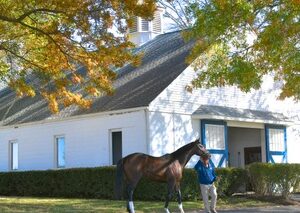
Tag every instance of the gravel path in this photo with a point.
(275, 209)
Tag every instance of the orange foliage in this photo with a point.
(50, 40)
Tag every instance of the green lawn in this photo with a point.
(21, 204)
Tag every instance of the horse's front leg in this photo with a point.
(169, 195)
(179, 200)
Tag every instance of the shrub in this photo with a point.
(266, 179)
(82, 183)
(189, 185)
(259, 177)
(99, 183)
(271, 179)
(231, 180)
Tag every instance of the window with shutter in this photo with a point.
(133, 28)
(156, 23)
(145, 25)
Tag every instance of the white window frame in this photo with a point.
(215, 136)
(11, 155)
(276, 140)
(56, 151)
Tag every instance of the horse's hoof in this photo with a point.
(167, 210)
(180, 208)
(130, 211)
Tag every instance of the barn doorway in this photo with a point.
(244, 146)
(116, 140)
(252, 154)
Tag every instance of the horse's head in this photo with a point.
(199, 148)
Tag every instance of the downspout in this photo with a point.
(147, 131)
(174, 142)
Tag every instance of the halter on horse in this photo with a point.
(167, 168)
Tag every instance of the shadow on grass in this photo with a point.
(32, 205)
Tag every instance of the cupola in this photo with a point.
(143, 30)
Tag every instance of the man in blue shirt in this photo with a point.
(206, 178)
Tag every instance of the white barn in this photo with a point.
(151, 112)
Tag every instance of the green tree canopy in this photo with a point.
(51, 39)
(241, 41)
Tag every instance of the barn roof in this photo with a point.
(237, 114)
(163, 60)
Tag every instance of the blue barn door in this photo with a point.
(214, 138)
(276, 147)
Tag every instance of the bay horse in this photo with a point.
(167, 168)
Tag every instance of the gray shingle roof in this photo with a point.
(210, 110)
(163, 60)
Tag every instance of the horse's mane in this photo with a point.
(166, 156)
(182, 149)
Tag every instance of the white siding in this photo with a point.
(293, 144)
(140, 38)
(176, 100)
(86, 141)
(169, 131)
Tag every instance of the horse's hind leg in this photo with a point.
(171, 185)
(130, 206)
(130, 189)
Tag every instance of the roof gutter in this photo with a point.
(76, 117)
(250, 120)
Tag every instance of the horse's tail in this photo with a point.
(119, 180)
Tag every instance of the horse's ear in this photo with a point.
(198, 140)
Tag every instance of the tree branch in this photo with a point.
(20, 18)
(48, 36)
(20, 57)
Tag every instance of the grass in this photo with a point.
(32, 205)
